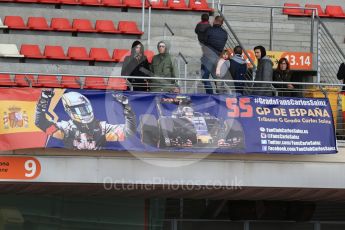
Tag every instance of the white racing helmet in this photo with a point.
(78, 107)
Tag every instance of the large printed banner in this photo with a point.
(145, 122)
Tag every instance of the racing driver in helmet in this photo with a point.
(83, 130)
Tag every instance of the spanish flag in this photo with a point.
(17, 119)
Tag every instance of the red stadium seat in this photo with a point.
(293, 12)
(83, 25)
(113, 3)
(335, 11)
(61, 24)
(133, 3)
(158, 4)
(38, 23)
(149, 54)
(48, 81)
(319, 10)
(78, 53)
(55, 52)
(94, 83)
(70, 2)
(106, 26)
(49, 1)
(199, 5)
(129, 27)
(70, 82)
(117, 84)
(25, 80)
(91, 2)
(178, 5)
(100, 54)
(15, 22)
(5, 80)
(33, 1)
(120, 54)
(31, 51)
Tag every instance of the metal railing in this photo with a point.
(300, 90)
(167, 27)
(329, 54)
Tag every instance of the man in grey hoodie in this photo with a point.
(264, 72)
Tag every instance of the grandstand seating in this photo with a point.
(9, 50)
(331, 11)
(100, 54)
(78, 53)
(293, 11)
(38, 23)
(2, 26)
(120, 54)
(94, 83)
(5, 80)
(129, 27)
(25, 80)
(149, 54)
(61, 24)
(48, 81)
(159, 4)
(117, 84)
(70, 82)
(64, 25)
(15, 22)
(106, 26)
(83, 25)
(197, 5)
(178, 5)
(319, 10)
(31, 51)
(55, 52)
(335, 11)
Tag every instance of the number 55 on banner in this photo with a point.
(19, 168)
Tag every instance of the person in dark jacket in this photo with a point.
(282, 74)
(341, 74)
(216, 38)
(264, 72)
(202, 27)
(136, 65)
(238, 69)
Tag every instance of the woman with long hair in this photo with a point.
(282, 74)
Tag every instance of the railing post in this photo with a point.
(271, 29)
(149, 28)
(143, 16)
(185, 77)
(312, 32)
(318, 51)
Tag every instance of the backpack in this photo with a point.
(238, 71)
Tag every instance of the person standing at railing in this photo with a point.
(341, 74)
(215, 41)
(223, 73)
(264, 72)
(136, 65)
(201, 28)
(238, 69)
(162, 67)
(282, 74)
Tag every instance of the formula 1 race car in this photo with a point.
(186, 128)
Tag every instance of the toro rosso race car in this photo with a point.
(187, 128)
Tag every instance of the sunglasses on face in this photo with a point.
(161, 46)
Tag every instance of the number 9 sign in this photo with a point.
(19, 168)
